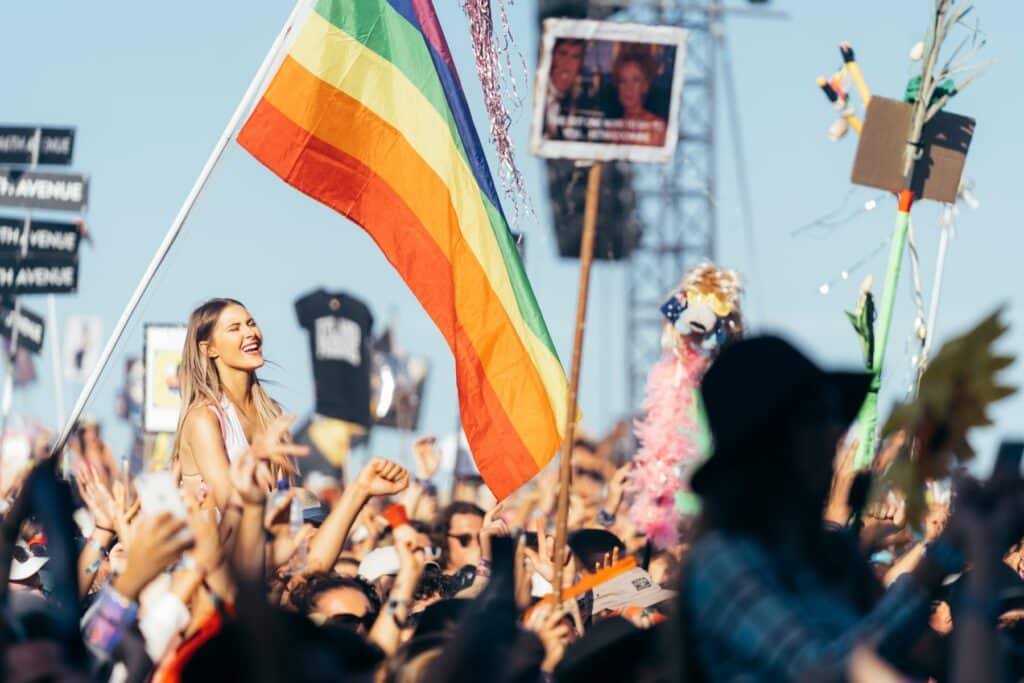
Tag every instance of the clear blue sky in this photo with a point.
(150, 85)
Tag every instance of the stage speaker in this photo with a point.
(618, 230)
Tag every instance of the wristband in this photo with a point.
(108, 620)
(427, 485)
(605, 518)
(95, 566)
(483, 568)
(103, 528)
(393, 606)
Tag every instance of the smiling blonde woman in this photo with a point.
(223, 404)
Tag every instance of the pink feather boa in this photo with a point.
(667, 447)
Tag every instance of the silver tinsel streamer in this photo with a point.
(495, 67)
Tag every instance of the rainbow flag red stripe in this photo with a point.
(366, 114)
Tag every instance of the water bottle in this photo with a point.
(294, 528)
(278, 494)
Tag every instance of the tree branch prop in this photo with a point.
(956, 391)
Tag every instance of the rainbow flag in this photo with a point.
(366, 114)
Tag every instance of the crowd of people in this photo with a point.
(240, 570)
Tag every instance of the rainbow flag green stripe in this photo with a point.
(366, 115)
(381, 28)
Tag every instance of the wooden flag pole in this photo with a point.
(565, 466)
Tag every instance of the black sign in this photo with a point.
(18, 143)
(35, 275)
(30, 328)
(35, 190)
(45, 238)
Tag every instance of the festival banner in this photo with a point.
(43, 190)
(18, 145)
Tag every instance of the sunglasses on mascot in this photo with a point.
(465, 540)
(21, 554)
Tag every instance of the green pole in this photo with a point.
(912, 153)
(868, 417)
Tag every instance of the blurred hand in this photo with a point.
(554, 635)
(208, 552)
(156, 546)
(411, 562)
(125, 514)
(935, 521)
(270, 445)
(543, 559)
(243, 473)
(493, 526)
(617, 489)
(609, 560)
(96, 496)
(427, 455)
(382, 477)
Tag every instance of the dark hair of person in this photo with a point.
(444, 521)
(591, 545)
(641, 58)
(305, 598)
(351, 561)
(585, 444)
(569, 41)
(435, 583)
(398, 668)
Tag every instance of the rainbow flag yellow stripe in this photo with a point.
(366, 115)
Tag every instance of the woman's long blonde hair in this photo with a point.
(198, 379)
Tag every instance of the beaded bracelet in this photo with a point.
(393, 606)
(95, 566)
(605, 518)
(483, 568)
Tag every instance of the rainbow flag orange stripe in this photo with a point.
(366, 114)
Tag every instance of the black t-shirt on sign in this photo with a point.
(339, 339)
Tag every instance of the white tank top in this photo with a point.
(231, 428)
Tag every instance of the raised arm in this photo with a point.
(378, 478)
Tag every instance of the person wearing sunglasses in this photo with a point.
(27, 559)
(458, 536)
(342, 601)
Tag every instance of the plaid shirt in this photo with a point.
(748, 626)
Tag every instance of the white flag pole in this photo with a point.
(178, 224)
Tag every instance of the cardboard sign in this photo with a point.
(35, 275)
(83, 340)
(18, 145)
(31, 328)
(608, 90)
(880, 152)
(161, 355)
(39, 190)
(45, 238)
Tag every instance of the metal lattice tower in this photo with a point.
(675, 202)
